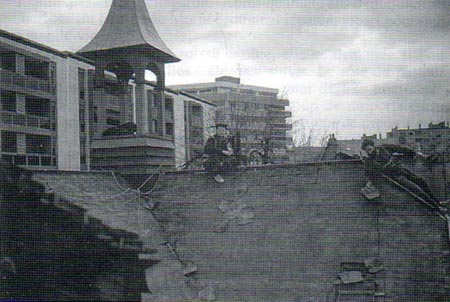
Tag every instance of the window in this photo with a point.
(46, 161)
(95, 114)
(169, 129)
(81, 113)
(8, 61)
(196, 111)
(20, 160)
(37, 106)
(39, 144)
(169, 105)
(36, 68)
(8, 100)
(81, 83)
(33, 160)
(9, 142)
(52, 73)
(7, 158)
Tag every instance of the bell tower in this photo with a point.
(128, 44)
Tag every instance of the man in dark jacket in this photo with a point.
(382, 160)
(217, 153)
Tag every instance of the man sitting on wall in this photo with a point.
(218, 152)
(381, 160)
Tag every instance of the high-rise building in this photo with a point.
(254, 113)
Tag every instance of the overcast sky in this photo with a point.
(348, 67)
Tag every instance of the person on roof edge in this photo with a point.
(382, 160)
(218, 152)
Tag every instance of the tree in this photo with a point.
(304, 136)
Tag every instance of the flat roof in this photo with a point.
(42, 47)
(224, 85)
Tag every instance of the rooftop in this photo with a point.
(225, 82)
(275, 233)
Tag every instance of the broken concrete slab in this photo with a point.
(373, 265)
(189, 268)
(351, 277)
(207, 294)
(222, 227)
(370, 192)
(245, 217)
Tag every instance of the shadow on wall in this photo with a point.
(48, 253)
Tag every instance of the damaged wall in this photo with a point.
(56, 252)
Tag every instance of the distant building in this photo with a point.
(95, 109)
(348, 148)
(434, 139)
(252, 112)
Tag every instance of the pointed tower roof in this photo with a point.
(128, 25)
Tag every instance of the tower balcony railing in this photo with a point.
(17, 79)
(26, 120)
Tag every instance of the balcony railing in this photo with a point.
(282, 126)
(26, 120)
(16, 79)
(36, 160)
(280, 114)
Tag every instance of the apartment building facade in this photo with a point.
(39, 121)
(254, 113)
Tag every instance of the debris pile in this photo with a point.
(358, 280)
(234, 210)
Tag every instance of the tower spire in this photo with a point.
(128, 25)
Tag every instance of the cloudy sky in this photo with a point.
(347, 66)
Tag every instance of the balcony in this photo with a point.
(281, 126)
(26, 120)
(30, 160)
(24, 81)
(280, 114)
(283, 102)
(279, 137)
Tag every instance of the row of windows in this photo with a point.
(14, 102)
(27, 160)
(37, 144)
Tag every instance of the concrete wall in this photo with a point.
(67, 113)
(179, 130)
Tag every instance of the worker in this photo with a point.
(381, 160)
(218, 152)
